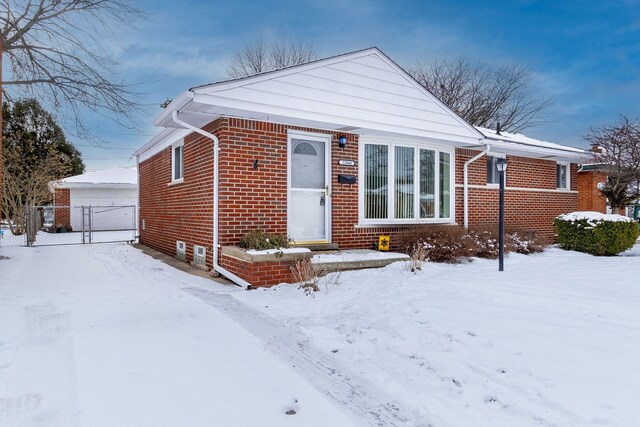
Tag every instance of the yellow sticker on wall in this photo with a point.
(383, 243)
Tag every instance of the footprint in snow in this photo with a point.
(292, 408)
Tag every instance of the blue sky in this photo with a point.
(585, 54)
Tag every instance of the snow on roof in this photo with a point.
(115, 175)
(523, 139)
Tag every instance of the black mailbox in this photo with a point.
(347, 179)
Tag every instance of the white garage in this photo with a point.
(107, 198)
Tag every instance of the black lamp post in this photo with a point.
(501, 164)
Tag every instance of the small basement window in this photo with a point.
(177, 161)
(200, 255)
(181, 250)
(562, 176)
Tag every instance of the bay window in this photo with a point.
(405, 183)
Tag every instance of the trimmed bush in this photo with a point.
(595, 233)
(455, 244)
(259, 240)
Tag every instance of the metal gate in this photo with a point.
(73, 225)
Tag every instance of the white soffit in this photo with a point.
(161, 141)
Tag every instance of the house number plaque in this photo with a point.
(346, 162)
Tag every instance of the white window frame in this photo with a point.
(174, 179)
(416, 145)
(568, 176)
(497, 184)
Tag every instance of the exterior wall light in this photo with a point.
(342, 142)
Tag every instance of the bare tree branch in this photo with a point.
(483, 95)
(261, 56)
(617, 151)
(56, 53)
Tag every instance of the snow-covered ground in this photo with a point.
(74, 238)
(103, 335)
(554, 340)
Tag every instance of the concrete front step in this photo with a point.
(317, 246)
(355, 259)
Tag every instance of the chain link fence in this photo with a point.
(71, 225)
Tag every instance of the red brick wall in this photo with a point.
(259, 273)
(589, 197)
(62, 216)
(257, 198)
(532, 200)
(182, 211)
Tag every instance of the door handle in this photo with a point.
(321, 200)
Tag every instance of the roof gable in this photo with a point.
(364, 91)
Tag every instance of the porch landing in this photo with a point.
(354, 259)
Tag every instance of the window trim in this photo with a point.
(568, 175)
(416, 145)
(175, 180)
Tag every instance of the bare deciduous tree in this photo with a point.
(261, 56)
(27, 185)
(57, 53)
(617, 152)
(482, 94)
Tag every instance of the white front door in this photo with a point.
(309, 179)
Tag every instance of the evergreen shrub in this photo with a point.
(595, 233)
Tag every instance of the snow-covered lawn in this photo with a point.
(102, 335)
(553, 340)
(74, 238)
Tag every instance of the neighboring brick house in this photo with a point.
(589, 196)
(333, 152)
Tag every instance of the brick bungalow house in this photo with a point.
(336, 152)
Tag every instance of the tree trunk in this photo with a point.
(1, 156)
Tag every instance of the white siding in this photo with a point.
(107, 218)
(365, 91)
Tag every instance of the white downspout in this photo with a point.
(216, 148)
(466, 183)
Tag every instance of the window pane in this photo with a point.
(445, 185)
(427, 184)
(493, 176)
(376, 166)
(177, 162)
(307, 164)
(561, 176)
(404, 182)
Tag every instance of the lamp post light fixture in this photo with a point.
(501, 165)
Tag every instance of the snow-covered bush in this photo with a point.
(310, 278)
(524, 243)
(259, 240)
(595, 233)
(455, 244)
